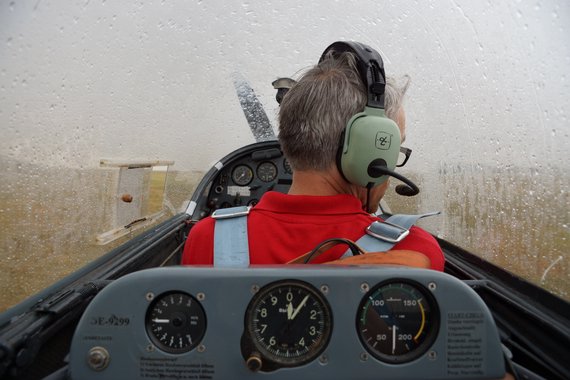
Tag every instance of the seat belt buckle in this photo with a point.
(231, 212)
(389, 232)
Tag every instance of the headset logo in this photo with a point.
(383, 140)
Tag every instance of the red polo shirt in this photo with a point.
(282, 227)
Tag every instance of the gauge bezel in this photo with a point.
(430, 335)
(198, 309)
(271, 360)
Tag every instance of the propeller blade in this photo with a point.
(253, 110)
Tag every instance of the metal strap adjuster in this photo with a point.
(387, 231)
(232, 212)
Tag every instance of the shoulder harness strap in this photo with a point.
(231, 247)
(382, 236)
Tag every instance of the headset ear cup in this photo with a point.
(369, 138)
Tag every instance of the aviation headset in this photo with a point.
(370, 143)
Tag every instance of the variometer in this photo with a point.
(175, 322)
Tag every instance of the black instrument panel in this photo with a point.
(303, 321)
(241, 178)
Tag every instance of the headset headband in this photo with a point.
(370, 67)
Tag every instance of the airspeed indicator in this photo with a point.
(397, 321)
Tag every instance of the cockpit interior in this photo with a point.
(126, 123)
(308, 321)
(135, 313)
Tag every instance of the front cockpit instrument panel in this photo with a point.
(241, 178)
(283, 322)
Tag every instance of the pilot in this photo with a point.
(322, 202)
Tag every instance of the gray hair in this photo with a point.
(315, 111)
(394, 96)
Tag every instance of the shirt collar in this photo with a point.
(309, 204)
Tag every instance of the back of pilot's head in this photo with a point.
(317, 108)
(315, 111)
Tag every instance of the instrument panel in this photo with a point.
(241, 178)
(247, 179)
(321, 321)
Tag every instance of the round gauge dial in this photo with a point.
(287, 166)
(242, 175)
(175, 322)
(289, 323)
(267, 171)
(397, 321)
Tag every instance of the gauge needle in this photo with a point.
(158, 320)
(298, 309)
(290, 311)
(393, 339)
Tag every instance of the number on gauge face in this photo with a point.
(175, 322)
(397, 321)
(289, 323)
